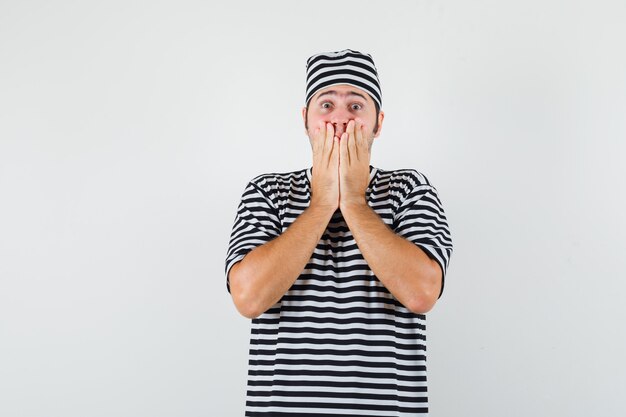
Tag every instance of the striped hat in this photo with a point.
(342, 67)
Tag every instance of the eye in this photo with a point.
(356, 106)
(325, 105)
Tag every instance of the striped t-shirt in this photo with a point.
(338, 343)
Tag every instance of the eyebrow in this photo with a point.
(334, 93)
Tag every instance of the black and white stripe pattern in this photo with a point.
(338, 343)
(342, 67)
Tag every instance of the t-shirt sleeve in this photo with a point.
(421, 219)
(256, 223)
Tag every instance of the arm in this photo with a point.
(403, 268)
(265, 274)
(261, 278)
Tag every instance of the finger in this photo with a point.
(360, 136)
(343, 149)
(318, 138)
(321, 126)
(366, 140)
(352, 145)
(334, 156)
(322, 136)
(330, 133)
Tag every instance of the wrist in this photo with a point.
(322, 207)
(353, 203)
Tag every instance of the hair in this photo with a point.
(306, 116)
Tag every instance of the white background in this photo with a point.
(129, 129)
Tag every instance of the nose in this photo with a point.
(340, 118)
(340, 127)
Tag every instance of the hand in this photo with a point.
(354, 162)
(325, 174)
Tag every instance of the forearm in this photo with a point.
(403, 268)
(265, 274)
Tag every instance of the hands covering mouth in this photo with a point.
(341, 159)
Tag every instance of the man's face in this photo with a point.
(338, 104)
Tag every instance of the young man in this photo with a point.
(337, 264)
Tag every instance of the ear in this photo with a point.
(304, 122)
(381, 117)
